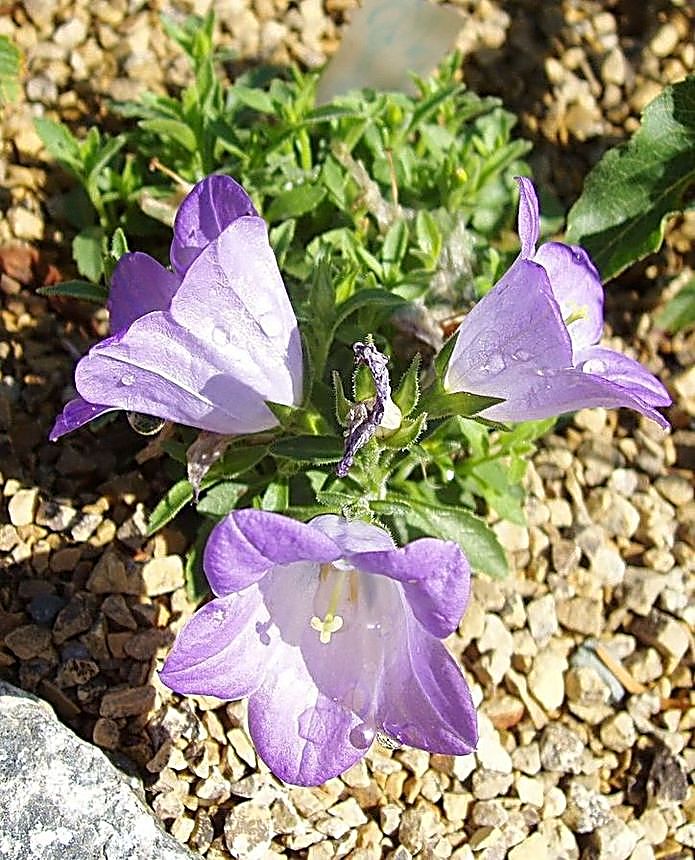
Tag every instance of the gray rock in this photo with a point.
(62, 798)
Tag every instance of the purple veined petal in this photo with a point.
(435, 577)
(300, 733)
(625, 372)
(424, 698)
(212, 205)
(221, 651)
(577, 288)
(529, 217)
(76, 413)
(158, 368)
(517, 325)
(551, 392)
(247, 543)
(139, 285)
(353, 536)
(233, 297)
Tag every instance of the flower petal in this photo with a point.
(626, 372)
(551, 392)
(221, 651)
(232, 296)
(76, 413)
(213, 204)
(435, 576)
(301, 734)
(424, 698)
(516, 326)
(353, 536)
(529, 217)
(247, 543)
(577, 288)
(159, 368)
(139, 284)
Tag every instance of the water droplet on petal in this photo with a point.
(271, 323)
(387, 741)
(594, 365)
(493, 362)
(145, 425)
(219, 336)
(362, 736)
(127, 379)
(521, 355)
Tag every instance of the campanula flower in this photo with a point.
(206, 343)
(333, 634)
(533, 339)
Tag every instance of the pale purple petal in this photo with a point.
(353, 536)
(139, 285)
(300, 733)
(529, 217)
(159, 368)
(76, 413)
(234, 298)
(247, 543)
(221, 651)
(577, 288)
(435, 576)
(517, 325)
(212, 205)
(551, 392)
(424, 699)
(626, 372)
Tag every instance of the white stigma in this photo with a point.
(326, 627)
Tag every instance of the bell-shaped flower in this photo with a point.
(205, 344)
(334, 635)
(533, 339)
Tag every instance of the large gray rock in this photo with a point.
(62, 799)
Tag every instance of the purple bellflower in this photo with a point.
(334, 635)
(534, 338)
(206, 343)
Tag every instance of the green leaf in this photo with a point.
(281, 239)
(440, 404)
(679, 313)
(295, 202)
(629, 195)
(429, 237)
(407, 394)
(61, 144)
(257, 100)
(395, 243)
(119, 244)
(313, 449)
(172, 129)
(221, 499)
(474, 536)
(175, 500)
(77, 290)
(10, 66)
(87, 251)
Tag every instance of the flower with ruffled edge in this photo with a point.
(533, 339)
(333, 634)
(205, 344)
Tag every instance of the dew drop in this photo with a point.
(219, 336)
(521, 355)
(493, 363)
(127, 379)
(271, 323)
(387, 741)
(594, 365)
(362, 736)
(145, 425)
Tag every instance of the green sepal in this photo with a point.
(363, 384)
(300, 420)
(407, 394)
(342, 404)
(441, 361)
(407, 434)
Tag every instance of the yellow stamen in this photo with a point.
(578, 313)
(326, 627)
